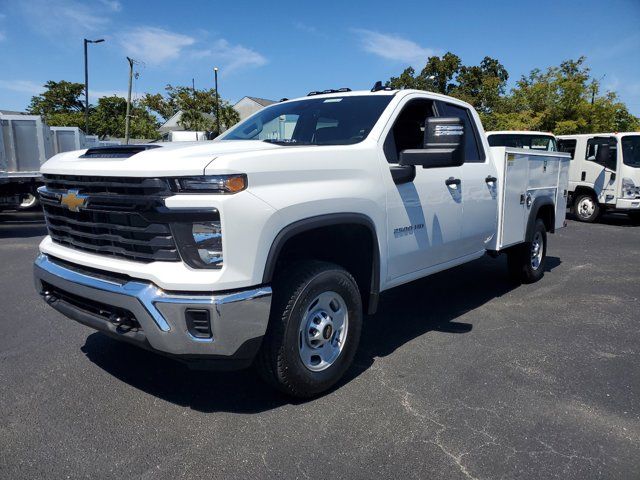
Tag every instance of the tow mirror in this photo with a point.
(443, 144)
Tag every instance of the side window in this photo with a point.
(407, 132)
(473, 153)
(568, 146)
(594, 144)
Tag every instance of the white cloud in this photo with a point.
(231, 57)
(154, 45)
(112, 5)
(65, 18)
(393, 47)
(22, 86)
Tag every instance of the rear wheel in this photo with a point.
(314, 329)
(526, 261)
(586, 207)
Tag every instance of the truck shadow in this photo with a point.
(613, 219)
(405, 313)
(22, 224)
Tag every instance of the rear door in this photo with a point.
(478, 189)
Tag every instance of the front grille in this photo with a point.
(117, 218)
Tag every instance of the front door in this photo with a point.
(601, 172)
(424, 208)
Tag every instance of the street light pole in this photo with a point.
(86, 83)
(215, 72)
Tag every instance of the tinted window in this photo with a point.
(408, 129)
(472, 152)
(631, 151)
(545, 143)
(316, 121)
(568, 146)
(594, 144)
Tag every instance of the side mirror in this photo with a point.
(443, 145)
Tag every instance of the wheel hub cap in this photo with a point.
(537, 250)
(323, 331)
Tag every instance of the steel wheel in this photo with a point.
(586, 207)
(323, 330)
(537, 250)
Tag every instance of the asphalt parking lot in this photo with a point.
(459, 375)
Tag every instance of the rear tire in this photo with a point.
(586, 208)
(314, 329)
(527, 261)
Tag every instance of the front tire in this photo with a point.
(527, 261)
(314, 329)
(586, 208)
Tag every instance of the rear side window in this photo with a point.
(473, 152)
(568, 146)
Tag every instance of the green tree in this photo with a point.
(436, 76)
(563, 99)
(59, 97)
(108, 119)
(198, 107)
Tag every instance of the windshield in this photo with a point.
(631, 151)
(316, 121)
(545, 143)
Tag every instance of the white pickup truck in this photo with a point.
(269, 244)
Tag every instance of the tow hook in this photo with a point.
(49, 297)
(124, 324)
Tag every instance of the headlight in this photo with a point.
(200, 243)
(211, 184)
(629, 189)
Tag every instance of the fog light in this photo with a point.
(207, 237)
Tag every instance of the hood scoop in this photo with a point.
(117, 151)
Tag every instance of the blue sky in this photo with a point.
(288, 48)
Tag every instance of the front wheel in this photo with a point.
(314, 329)
(526, 261)
(586, 208)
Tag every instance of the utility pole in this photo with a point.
(215, 73)
(86, 83)
(127, 120)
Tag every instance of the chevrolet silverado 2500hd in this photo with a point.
(269, 244)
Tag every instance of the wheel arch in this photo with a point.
(338, 223)
(545, 209)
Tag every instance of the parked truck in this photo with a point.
(604, 173)
(25, 144)
(255, 249)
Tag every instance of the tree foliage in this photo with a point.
(562, 99)
(198, 107)
(61, 105)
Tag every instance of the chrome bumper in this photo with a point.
(238, 319)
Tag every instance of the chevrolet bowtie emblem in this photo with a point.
(73, 200)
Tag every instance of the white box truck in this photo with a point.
(25, 144)
(604, 173)
(251, 249)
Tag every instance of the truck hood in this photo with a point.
(180, 158)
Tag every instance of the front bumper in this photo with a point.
(238, 319)
(628, 204)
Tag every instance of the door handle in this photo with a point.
(491, 179)
(452, 181)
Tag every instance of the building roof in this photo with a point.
(262, 101)
(12, 112)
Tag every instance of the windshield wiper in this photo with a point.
(284, 141)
